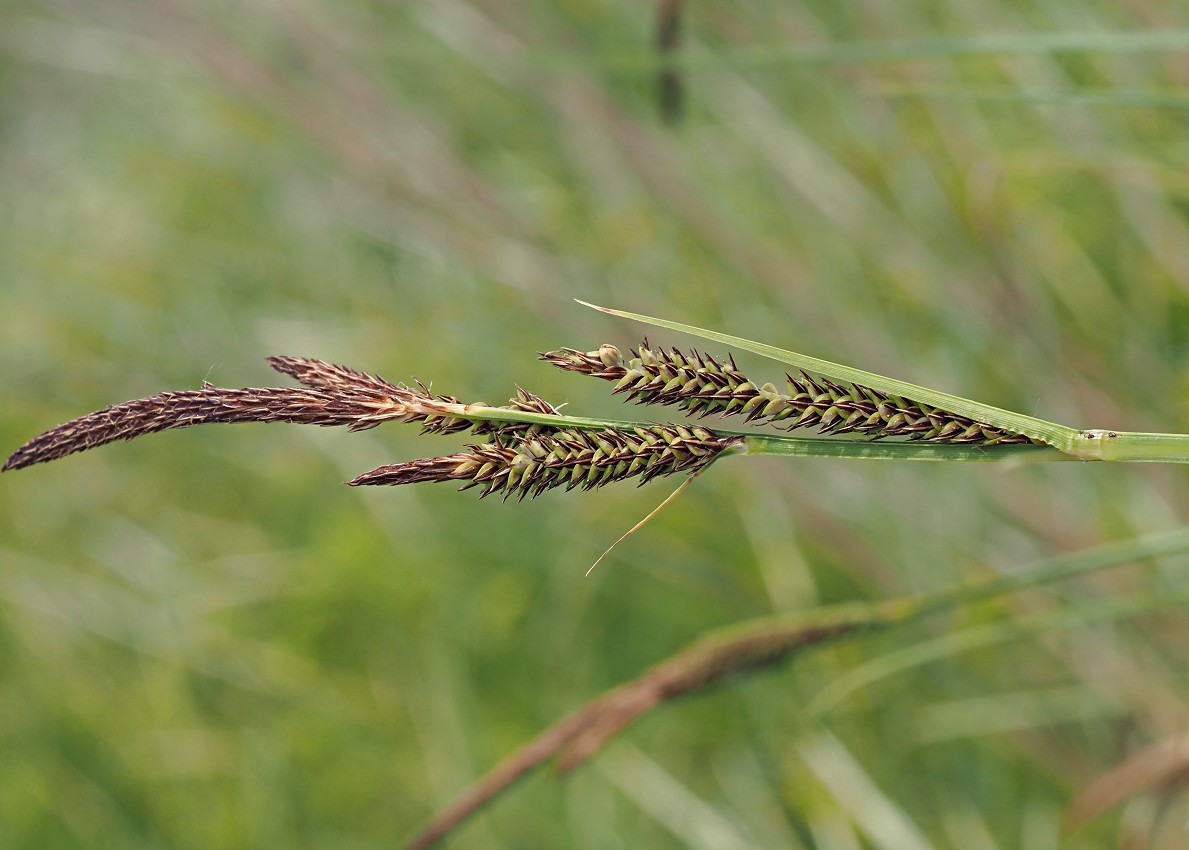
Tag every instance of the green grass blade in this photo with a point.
(1062, 567)
(1059, 568)
(867, 52)
(1005, 44)
(1122, 98)
(1060, 436)
(981, 637)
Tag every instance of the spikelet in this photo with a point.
(525, 464)
(703, 385)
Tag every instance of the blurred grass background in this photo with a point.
(205, 642)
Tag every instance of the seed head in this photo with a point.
(525, 464)
(332, 395)
(703, 385)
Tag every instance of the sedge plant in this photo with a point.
(528, 446)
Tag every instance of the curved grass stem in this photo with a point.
(758, 644)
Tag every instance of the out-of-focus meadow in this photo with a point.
(207, 642)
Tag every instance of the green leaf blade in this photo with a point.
(1059, 436)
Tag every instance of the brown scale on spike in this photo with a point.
(703, 385)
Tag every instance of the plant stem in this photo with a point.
(775, 444)
(1130, 447)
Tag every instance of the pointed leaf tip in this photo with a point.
(597, 307)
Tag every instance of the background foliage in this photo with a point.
(206, 643)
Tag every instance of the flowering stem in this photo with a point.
(775, 444)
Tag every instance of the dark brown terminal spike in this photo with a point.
(333, 395)
(704, 385)
(186, 408)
